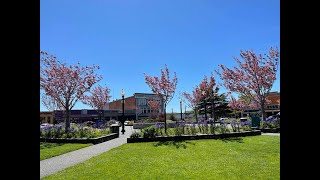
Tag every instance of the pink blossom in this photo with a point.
(254, 77)
(65, 84)
(163, 87)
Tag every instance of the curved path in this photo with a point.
(58, 163)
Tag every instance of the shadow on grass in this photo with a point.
(177, 144)
(233, 139)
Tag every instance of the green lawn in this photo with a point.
(48, 150)
(256, 157)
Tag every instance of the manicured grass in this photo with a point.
(255, 157)
(48, 150)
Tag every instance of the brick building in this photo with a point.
(271, 108)
(46, 117)
(135, 107)
(83, 115)
(136, 104)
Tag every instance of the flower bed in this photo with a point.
(271, 123)
(145, 125)
(81, 140)
(194, 137)
(84, 130)
(186, 130)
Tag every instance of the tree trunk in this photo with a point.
(195, 112)
(67, 120)
(212, 110)
(165, 118)
(263, 112)
(103, 115)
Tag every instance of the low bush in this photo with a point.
(75, 131)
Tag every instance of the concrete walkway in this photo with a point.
(58, 163)
(271, 134)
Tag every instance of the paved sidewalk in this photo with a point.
(271, 134)
(58, 163)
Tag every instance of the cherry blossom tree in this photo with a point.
(154, 105)
(254, 77)
(65, 84)
(98, 97)
(49, 103)
(193, 99)
(163, 87)
(243, 103)
(238, 105)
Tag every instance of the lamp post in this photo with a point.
(122, 94)
(205, 105)
(180, 109)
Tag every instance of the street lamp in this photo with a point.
(205, 105)
(122, 94)
(181, 108)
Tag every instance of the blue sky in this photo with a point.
(129, 37)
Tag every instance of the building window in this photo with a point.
(49, 118)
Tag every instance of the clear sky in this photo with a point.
(129, 37)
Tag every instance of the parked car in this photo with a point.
(45, 125)
(243, 119)
(223, 119)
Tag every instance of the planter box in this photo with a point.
(81, 140)
(270, 130)
(195, 137)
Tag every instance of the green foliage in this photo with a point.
(149, 132)
(212, 128)
(135, 135)
(221, 108)
(193, 130)
(255, 157)
(179, 130)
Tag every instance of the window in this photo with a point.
(142, 102)
(49, 118)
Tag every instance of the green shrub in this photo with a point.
(135, 135)
(149, 132)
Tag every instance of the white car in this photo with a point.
(243, 119)
(45, 125)
(222, 119)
